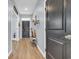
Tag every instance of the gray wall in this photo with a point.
(40, 28)
(13, 25)
(12, 28)
(13, 20)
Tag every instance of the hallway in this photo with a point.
(24, 49)
(47, 22)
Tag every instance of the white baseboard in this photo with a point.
(16, 39)
(9, 53)
(41, 52)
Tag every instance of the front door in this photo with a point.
(25, 29)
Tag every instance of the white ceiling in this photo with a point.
(22, 4)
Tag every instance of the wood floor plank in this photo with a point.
(24, 49)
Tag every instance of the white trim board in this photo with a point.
(41, 51)
(16, 39)
(9, 53)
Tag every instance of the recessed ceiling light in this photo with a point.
(26, 9)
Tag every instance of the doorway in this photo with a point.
(25, 29)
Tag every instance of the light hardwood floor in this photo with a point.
(24, 49)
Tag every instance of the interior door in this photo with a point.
(58, 24)
(55, 28)
(25, 29)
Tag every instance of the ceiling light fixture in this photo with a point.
(26, 9)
